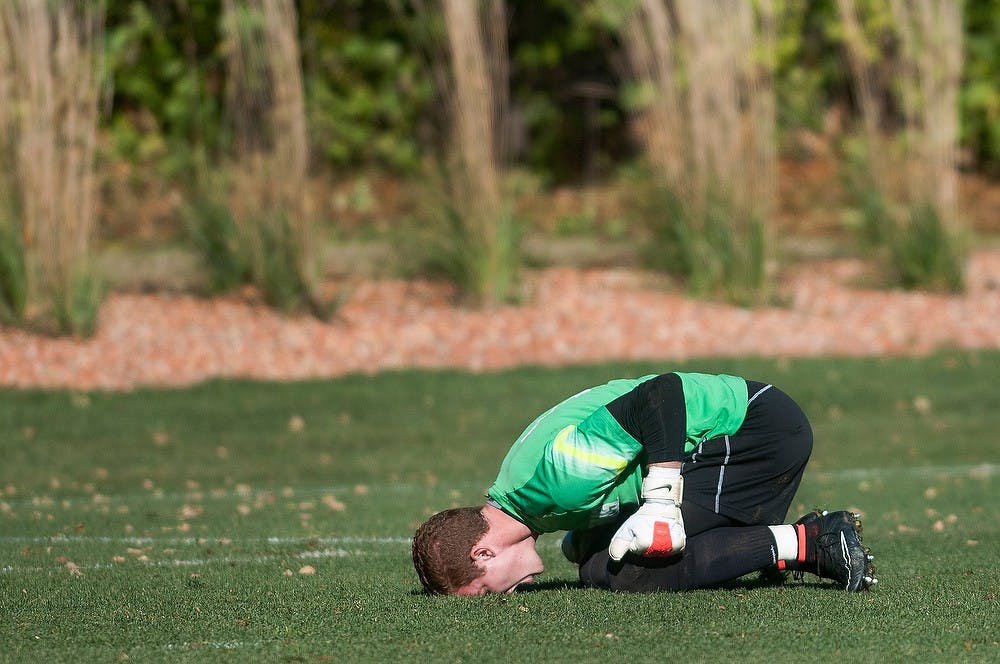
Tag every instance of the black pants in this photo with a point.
(734, 487)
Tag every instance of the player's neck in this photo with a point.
(504, 528)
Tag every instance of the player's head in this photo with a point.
(441, 549)
(454, 552)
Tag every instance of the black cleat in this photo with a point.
(830, 547)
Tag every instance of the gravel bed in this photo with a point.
(572, 316)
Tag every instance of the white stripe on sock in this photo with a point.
(786, 540)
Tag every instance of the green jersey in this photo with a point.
(576, 467)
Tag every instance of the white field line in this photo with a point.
(214, 645)
(74, 569)
(976, 471)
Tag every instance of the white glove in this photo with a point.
(657, 529)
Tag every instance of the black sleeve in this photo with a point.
(653, 413)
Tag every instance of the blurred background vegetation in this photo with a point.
(218, 143)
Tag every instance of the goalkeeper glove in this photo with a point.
(657, 529)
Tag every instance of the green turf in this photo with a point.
(175, 525)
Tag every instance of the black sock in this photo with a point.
(709, 559)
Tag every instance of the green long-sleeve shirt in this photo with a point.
(576, 467)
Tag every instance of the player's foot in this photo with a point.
(830, 547)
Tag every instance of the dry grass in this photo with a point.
(469, 234)
(869, 88)
(924, 77)
(649, 44)
(54, 79)
(930, 77)
(267, 196)
(473, 102)
(705, 111)
(730, 100)
(477, 103)
(7, 95)
(708, 120)
(916, 62)
(7, 118)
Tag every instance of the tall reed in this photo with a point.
(8, 107)
(466, 231)
(930, 34)
(13, 279)
(266, 192)
(704, 109)
(913, 216)
(55, 86)
(484, 251)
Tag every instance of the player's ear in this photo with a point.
(481, 553)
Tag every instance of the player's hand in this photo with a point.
(657, 529)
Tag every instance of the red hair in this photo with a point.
(442, 547)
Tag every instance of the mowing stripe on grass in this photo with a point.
(132, 563)
(216, 494)
(333, 550)
(197, 541)
(978, 470)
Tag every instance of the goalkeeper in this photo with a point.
(665, 482)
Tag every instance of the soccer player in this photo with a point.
(665, 482)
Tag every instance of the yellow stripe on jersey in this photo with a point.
(562, 445)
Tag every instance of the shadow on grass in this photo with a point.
(744, 583)
(776, 580)
(555, 584)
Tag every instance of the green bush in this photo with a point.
(980, 95)
(916, 248)
(365, 94)
(370, 99)
(263, 251)
(483, 258)
(277, 262)
(13, 276)
(75, 309)
(710, 251)
(925, 254)
(165, 60)
(805, 77)
(444, 246)
(215, 236)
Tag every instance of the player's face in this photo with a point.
(511, 567)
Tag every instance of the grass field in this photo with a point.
(269, 522)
